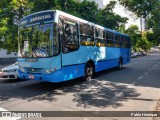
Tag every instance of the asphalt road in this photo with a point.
(134, 88)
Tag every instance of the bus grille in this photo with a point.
(33, 70)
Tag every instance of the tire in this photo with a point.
(120, 64)
(88, 72)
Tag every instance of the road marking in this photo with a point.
(145, 73)
(140, 77)
(150, 70)
(156, 65)
(4, 111)
(153, 68)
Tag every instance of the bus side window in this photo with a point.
(109, 38)
(100, 38)
(87, 35)
(117, 41)
(70, 37)
(127, 43)
(123, 42)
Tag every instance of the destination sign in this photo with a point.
(38, 18)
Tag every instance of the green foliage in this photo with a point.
(139, 7)
(88, 10)
(148, 9)
(140, 41)
(40, 5)
(108, 18)
(121, 28)
(11, 11)
(134, 34)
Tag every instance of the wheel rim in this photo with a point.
(89, 72)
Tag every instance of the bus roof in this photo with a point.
(61, 13)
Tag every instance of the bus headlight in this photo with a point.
(47, 71)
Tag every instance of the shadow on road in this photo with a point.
(108, 88)
(11, 80)
(86, 94)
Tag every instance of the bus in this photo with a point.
(55, 46)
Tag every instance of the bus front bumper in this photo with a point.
(52, 77)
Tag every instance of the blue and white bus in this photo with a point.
(55, 46)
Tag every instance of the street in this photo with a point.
(134, 88)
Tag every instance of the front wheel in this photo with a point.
(88, 72)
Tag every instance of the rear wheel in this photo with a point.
(120, 64)
(88, 72)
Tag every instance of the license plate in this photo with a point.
(31, 76)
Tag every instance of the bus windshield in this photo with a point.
(37, 41)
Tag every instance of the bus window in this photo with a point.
(86, 29)
(109, 35)
(87, 35)
(123, 39)
(100, 37)
(109, 38)
(117, 41)
(87, 40)
(127, 43)
(110, 43)
(70, 37)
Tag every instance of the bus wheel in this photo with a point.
(88, 72)
(120, 64)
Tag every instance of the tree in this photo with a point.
(11, 11)
(148, 9)
(139, 7)
(109, 19)
(139, 41)
(134, 33)
(153, 22)
(41, 5)
(88, 10)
